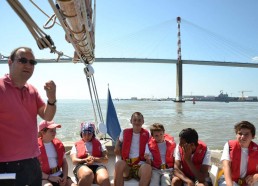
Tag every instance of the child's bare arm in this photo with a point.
(148, 159)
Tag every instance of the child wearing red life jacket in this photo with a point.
(131, 147)
(240, 157)
(192, 160)
(89, 155)
(52, 158)
(161, 147)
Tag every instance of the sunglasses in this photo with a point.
(87, 132)
(24, 60)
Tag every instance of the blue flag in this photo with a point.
(112, 123)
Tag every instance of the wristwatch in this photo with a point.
(52, 104)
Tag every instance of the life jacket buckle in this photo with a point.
(54, 170)
(131, 161)
(240, 181)
(163, 166)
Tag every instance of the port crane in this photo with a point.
(242, 93)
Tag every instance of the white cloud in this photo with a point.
(255, 58)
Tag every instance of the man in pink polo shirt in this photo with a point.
(19, 106)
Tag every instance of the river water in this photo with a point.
(214, 121)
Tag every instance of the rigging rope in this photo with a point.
(75, 18)
(42, 39)
(51, 18)
(97, 98)
(82, 40)
(93, 106)
(93, 90)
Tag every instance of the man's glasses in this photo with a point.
(24, 60)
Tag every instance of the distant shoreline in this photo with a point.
(153, 99)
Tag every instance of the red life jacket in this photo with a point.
(235, 155)
(197, 159)
(82, 151)
(154, 149)
(43, 159)
(128, 136)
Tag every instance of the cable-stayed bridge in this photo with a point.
(179, 61)
(146, 60)
(161, 61)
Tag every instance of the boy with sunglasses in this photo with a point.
(20, 105)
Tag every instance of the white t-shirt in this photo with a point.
(89, 150)
(162, 150)
(244, 158)
(52, 157)
(206, 159)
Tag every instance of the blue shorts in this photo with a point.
(28, 172)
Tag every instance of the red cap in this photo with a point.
(48, 124)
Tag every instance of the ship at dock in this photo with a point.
(222, 97)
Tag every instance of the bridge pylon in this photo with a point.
(179, 67)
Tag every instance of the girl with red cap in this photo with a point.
(52, 158)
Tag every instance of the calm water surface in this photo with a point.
(214, 121)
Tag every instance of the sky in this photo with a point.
(210, 30)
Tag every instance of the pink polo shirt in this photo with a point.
(18, 121)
